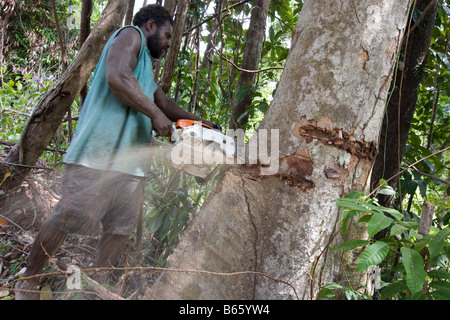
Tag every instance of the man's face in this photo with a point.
(159, 42)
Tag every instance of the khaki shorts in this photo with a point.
(94, 201)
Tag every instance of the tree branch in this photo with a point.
(446, 182)
(60, 36)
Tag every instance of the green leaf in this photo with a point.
(414, 266)
(182, 217)
(359, 205)
(439, 274)
(179, 193)
(242, 116)
(377, 223)
(437, 243)
(397, 229)
(372, 255)
(365, 218)
(397, 215)
(325, 293)
(418, 296)
(350, 245)
(441, 290)
(392, 289)
(386, 190)
(422, 187)
(440, 295)
(155, 225)
(354, 204)
(165, 228)
(19, 86)
(409, 224)
(355, 194)
(152, 212)
(415, 234)
(243, 92)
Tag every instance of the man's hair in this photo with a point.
(155, 12)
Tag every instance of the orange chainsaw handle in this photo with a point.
(184, 123)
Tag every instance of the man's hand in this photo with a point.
(162, 124)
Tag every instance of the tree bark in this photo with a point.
(170, 5)
(85, 21)
(426, 218)
(50, 110)
(208, 57)
(129, 13)
(327, 113)
(85, 29)
(401, 106)
(60, 35)
(7, 11)
(250, 61)
(175, 43)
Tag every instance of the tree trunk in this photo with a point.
(60, 36)
(7, 9)
(253, 46)
(129, 13)
(400, 110)
(50, 110)
(208, 57)
(327, 113)
(85, 29)
(175, 42)
(85, 20)
(170, 5)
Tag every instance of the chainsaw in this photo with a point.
(195, 147)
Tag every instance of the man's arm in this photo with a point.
(173, 111)
(121, 60)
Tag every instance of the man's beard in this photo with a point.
(154, 45)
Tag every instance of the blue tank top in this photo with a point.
(109, 134)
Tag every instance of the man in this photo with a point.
(103, 181)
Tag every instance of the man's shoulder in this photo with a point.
(127, 37)
(129, 33)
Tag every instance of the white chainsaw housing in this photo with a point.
(215, 138)
(200, 148)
